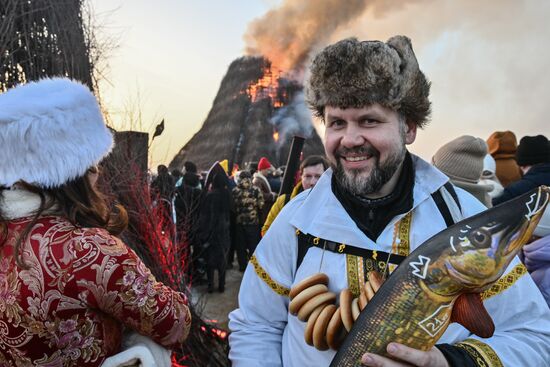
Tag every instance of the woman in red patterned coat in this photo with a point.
(68, 284)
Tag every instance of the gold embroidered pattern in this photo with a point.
(401, 238)
(361, 272)
(276, 287)
(403, 235)
(358, 268)
(505, 282)
(483, 354)
(353, 275)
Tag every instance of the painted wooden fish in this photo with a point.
(441, 281)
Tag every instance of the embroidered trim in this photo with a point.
(361, 272)
(483, 354)
(353, 275)
(263, 275)
(505, 282)
(403, 239)
(358, 268)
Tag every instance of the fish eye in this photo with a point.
(480, 238)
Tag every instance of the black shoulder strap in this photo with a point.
(303, 246)
(451, 189)
(442, 205)
(306, 241)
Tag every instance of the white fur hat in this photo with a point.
(51, 131)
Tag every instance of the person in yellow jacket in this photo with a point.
(311, 170)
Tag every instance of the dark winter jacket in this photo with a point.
(214, 223)
(538, 175)
(188, 204)
(164, 186)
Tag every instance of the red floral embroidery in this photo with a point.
(81, 288)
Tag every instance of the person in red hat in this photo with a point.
(261, 182)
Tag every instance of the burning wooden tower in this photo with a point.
(255, 113)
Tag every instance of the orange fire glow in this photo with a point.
(276, 136)
(266, 87)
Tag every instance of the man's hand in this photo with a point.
(406, 356)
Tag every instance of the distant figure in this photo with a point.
(260, 181)
(489, 177)
(191, 175)
(461, 160)
(274, 177)
(164, 184)
(311, 170)
(178, 177)
(248, 202)
(533, 157)
(188, 203)
(163, 189)
(503, 146)
(214, 230)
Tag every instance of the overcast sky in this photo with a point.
(488, 63)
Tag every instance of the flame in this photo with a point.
(267, 87)
(276, 136)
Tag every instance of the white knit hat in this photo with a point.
(51, 131)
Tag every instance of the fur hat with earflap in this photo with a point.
(51, 131)
(357, 74)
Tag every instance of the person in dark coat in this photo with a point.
(214, 230)
(533, 157)
(164, 184)
(187, 202)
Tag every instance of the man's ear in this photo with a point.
(410, 132)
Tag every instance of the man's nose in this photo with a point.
(352, 137)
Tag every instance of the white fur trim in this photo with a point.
(18, 203)
(51, 131)
(139, 347)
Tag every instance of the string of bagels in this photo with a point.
(328, 324)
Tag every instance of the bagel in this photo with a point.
(313, 303)
(335, 330)
(369, 292)
(320, 328)
(362, 301)
(305, 296)
(345, 308)
(317, 278)
(308, 332)
(355, 311)
(375, 279)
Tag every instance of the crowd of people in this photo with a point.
(225, 216)
(70, 287)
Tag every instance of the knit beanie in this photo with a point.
(263, 164)
(462, 158)
(357, 74)
(533, 150)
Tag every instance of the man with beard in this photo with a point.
(375, 206)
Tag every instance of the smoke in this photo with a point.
(487, 61)
(293, 119)
(287, 34)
